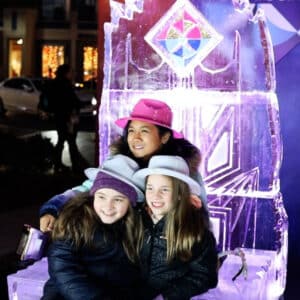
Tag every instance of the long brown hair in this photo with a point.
(184, 225)
(78, 222)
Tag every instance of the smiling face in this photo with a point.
(144, 140)
(159, 195)
(110, 205)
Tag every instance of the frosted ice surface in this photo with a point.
(213, 63)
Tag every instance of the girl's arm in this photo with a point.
(201, 276)
(68, 274)
(50, 210)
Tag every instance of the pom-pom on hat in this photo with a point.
(169, 165)
(151, 111)
(117, 173)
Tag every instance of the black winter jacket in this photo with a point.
(100, 273)
(177, 280)
(61, 97)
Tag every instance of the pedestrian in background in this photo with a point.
(65, 106)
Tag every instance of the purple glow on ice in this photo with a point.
(224, 101)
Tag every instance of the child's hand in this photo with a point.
(47, 222)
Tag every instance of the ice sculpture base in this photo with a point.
(261, 283)
(28, 284)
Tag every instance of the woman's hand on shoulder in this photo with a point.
(47, 222)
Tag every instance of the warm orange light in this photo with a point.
(90, 63)
(52, 57)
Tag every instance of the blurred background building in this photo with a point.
(36, 36)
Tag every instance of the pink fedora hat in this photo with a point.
(151, 111)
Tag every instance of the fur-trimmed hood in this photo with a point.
(180, 147)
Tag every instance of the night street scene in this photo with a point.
(210, 85)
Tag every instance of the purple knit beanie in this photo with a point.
(104, 180)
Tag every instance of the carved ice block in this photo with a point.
(213, 63)
(28, 284)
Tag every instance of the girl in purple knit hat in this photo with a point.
(147, 132)
(94, 254)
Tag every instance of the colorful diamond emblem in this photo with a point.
(183, 37)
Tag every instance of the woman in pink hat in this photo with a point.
(147, 132)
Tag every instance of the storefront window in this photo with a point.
(90, 63)
(52, 57)
(15, 57)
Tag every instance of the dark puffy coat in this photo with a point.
(61, 97)
(102, 272)
(177, 280)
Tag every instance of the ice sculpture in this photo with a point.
(213, 63)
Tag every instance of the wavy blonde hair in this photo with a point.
(184, 225)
